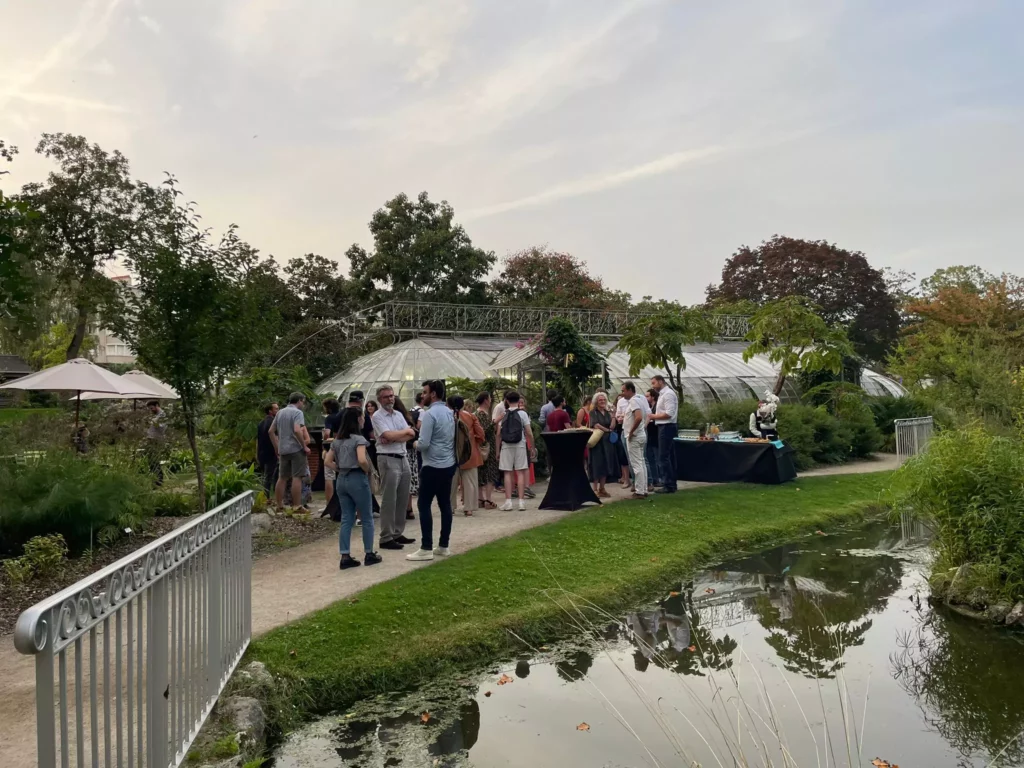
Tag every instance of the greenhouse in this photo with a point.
(713, 373)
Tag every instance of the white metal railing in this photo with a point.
(912, 436)
(130, 661)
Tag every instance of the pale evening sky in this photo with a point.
(650, 138)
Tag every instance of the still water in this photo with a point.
(822, 652)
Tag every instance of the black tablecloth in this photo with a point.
(568, 487)
(715, 461)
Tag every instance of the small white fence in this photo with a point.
(130, 661)
(913, 436)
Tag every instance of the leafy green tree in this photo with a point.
(792, 334)
(537, 277)
(237, 413)
(657, 340)
(191, 318)
(420, 254)
(571, 356)
(87, 218)
(322, 291)
(19, 279)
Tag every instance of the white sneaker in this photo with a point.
(422, 554)
(442, 551)
(522, 505)
(507, 506)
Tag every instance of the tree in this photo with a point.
(792, 334)
(87, 217)
(322, 291)
(657, 340)
(419, 254)
(848, 290)
(19, 278)
(537, 277)
(572, 357)
(191, 317)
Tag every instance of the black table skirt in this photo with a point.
(713, 461)
(568, 487)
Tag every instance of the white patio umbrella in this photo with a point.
(79, 376)
(143, 386)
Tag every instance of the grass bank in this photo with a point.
(459, 612)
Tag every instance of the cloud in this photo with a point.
(431, 31)
(68, 102)
(88, 32)
(591, 184)
(150, 23)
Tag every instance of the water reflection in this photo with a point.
(801, 614)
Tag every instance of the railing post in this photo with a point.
(158, 685)
(215, 618)
(46, 734)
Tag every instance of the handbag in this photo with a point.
(485, 451)
(374, 481)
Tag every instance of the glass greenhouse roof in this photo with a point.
(714, 372)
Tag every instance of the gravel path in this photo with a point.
(293, 582)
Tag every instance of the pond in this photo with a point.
(822, 652)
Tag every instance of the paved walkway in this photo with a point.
(294, 582)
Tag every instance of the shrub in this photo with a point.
(815, 435)
(732, 414)
(887, 409)
(173, 504)
(46, 554)
(18, 570)
(865, 438)
(224, 484)
(80, 499)
(690, 416)
(969, 486)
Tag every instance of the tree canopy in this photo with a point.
(420, 254)
(792, 334)
(845, 287)
(537, 277)
(657, 340)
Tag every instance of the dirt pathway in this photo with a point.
(297, 581)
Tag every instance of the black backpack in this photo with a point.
(512, 427)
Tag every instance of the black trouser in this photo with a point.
(435, 482)
(667, 455)
(269, 471)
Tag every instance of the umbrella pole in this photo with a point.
(78, 407)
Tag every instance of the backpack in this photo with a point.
(463, 442)
(512, 428)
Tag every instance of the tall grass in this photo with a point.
(969, 486)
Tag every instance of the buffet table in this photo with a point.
(568, 487)
(721, 461)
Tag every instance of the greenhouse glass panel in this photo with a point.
(729, 389)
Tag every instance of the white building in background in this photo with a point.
(108, 348)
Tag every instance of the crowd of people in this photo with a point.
(378, 455)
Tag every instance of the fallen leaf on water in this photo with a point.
(543, 647)
(880, 763)
(354, 600)
(292, 653)
(692, 648)
(582, 727)
(709, 591)
(505, 680)
(673, 594)
(425, 717)
(821, 533)
(487, 694)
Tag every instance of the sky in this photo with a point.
(649, 138)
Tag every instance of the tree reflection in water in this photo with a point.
(967, 680)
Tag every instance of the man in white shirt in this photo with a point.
(634, 430)
(515, 444)
(666, 412)
(393, 434)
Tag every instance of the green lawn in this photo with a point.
(456, 613)
(11, 415)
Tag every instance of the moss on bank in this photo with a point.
(462, 612)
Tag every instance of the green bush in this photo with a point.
(173, 504)
(224, 484)
(690, 416)
(887, 409)
(815, 435)
(82, 500)
(969, 487)
(732, 415)
(865, 438)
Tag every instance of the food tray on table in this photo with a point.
(688, 434)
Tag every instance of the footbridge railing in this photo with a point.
(913, 436)
(131, 660)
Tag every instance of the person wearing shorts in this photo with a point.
(291, 439)
(514, 458)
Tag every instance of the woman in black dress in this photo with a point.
(371, 408)
(604, 461)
